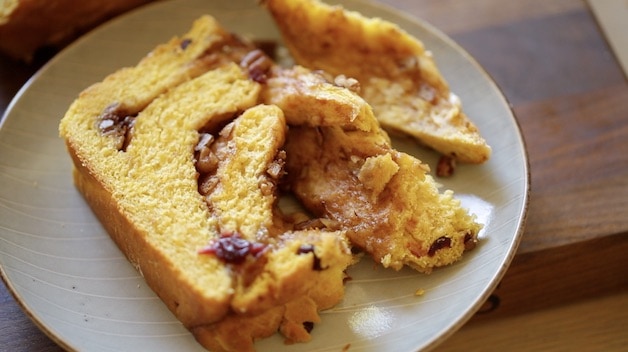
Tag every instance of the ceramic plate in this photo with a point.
(78, 287)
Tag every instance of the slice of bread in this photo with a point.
(397, 76)
(198, 218)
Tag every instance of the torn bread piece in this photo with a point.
(398, 76)
(349, 175)
(309, 98)
(388, 203)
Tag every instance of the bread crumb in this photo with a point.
(386, 260)
(419, 292)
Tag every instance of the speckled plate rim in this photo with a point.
(370, 324)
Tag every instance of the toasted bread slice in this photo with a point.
(398, 77)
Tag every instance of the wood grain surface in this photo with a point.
(567, 288)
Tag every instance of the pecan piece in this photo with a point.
(257, 64)
(446, 166)
(276, 169)
(117, 123)
(347, 82)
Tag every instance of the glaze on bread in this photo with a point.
(387, 202)
(397, 76)
(389, 205)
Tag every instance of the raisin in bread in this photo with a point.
(181, 163)
(397, 76)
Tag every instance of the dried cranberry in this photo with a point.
(232, 248)
(308, 326)
(441, 242)
(185, 42)
(308, 248)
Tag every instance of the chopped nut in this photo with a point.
(409, 63)
(267, 187)
(428, 93)
(207, 161)
(347, 82)
(106, 125)
(205, 140)
(117, 122)
(207, 184)
(276, 169)
(226, 131)
(446, 166)
(257, 64)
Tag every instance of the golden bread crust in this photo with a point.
(308, 98)
(398, 77)
(155, 179)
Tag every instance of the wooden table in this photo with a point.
(567, 288)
